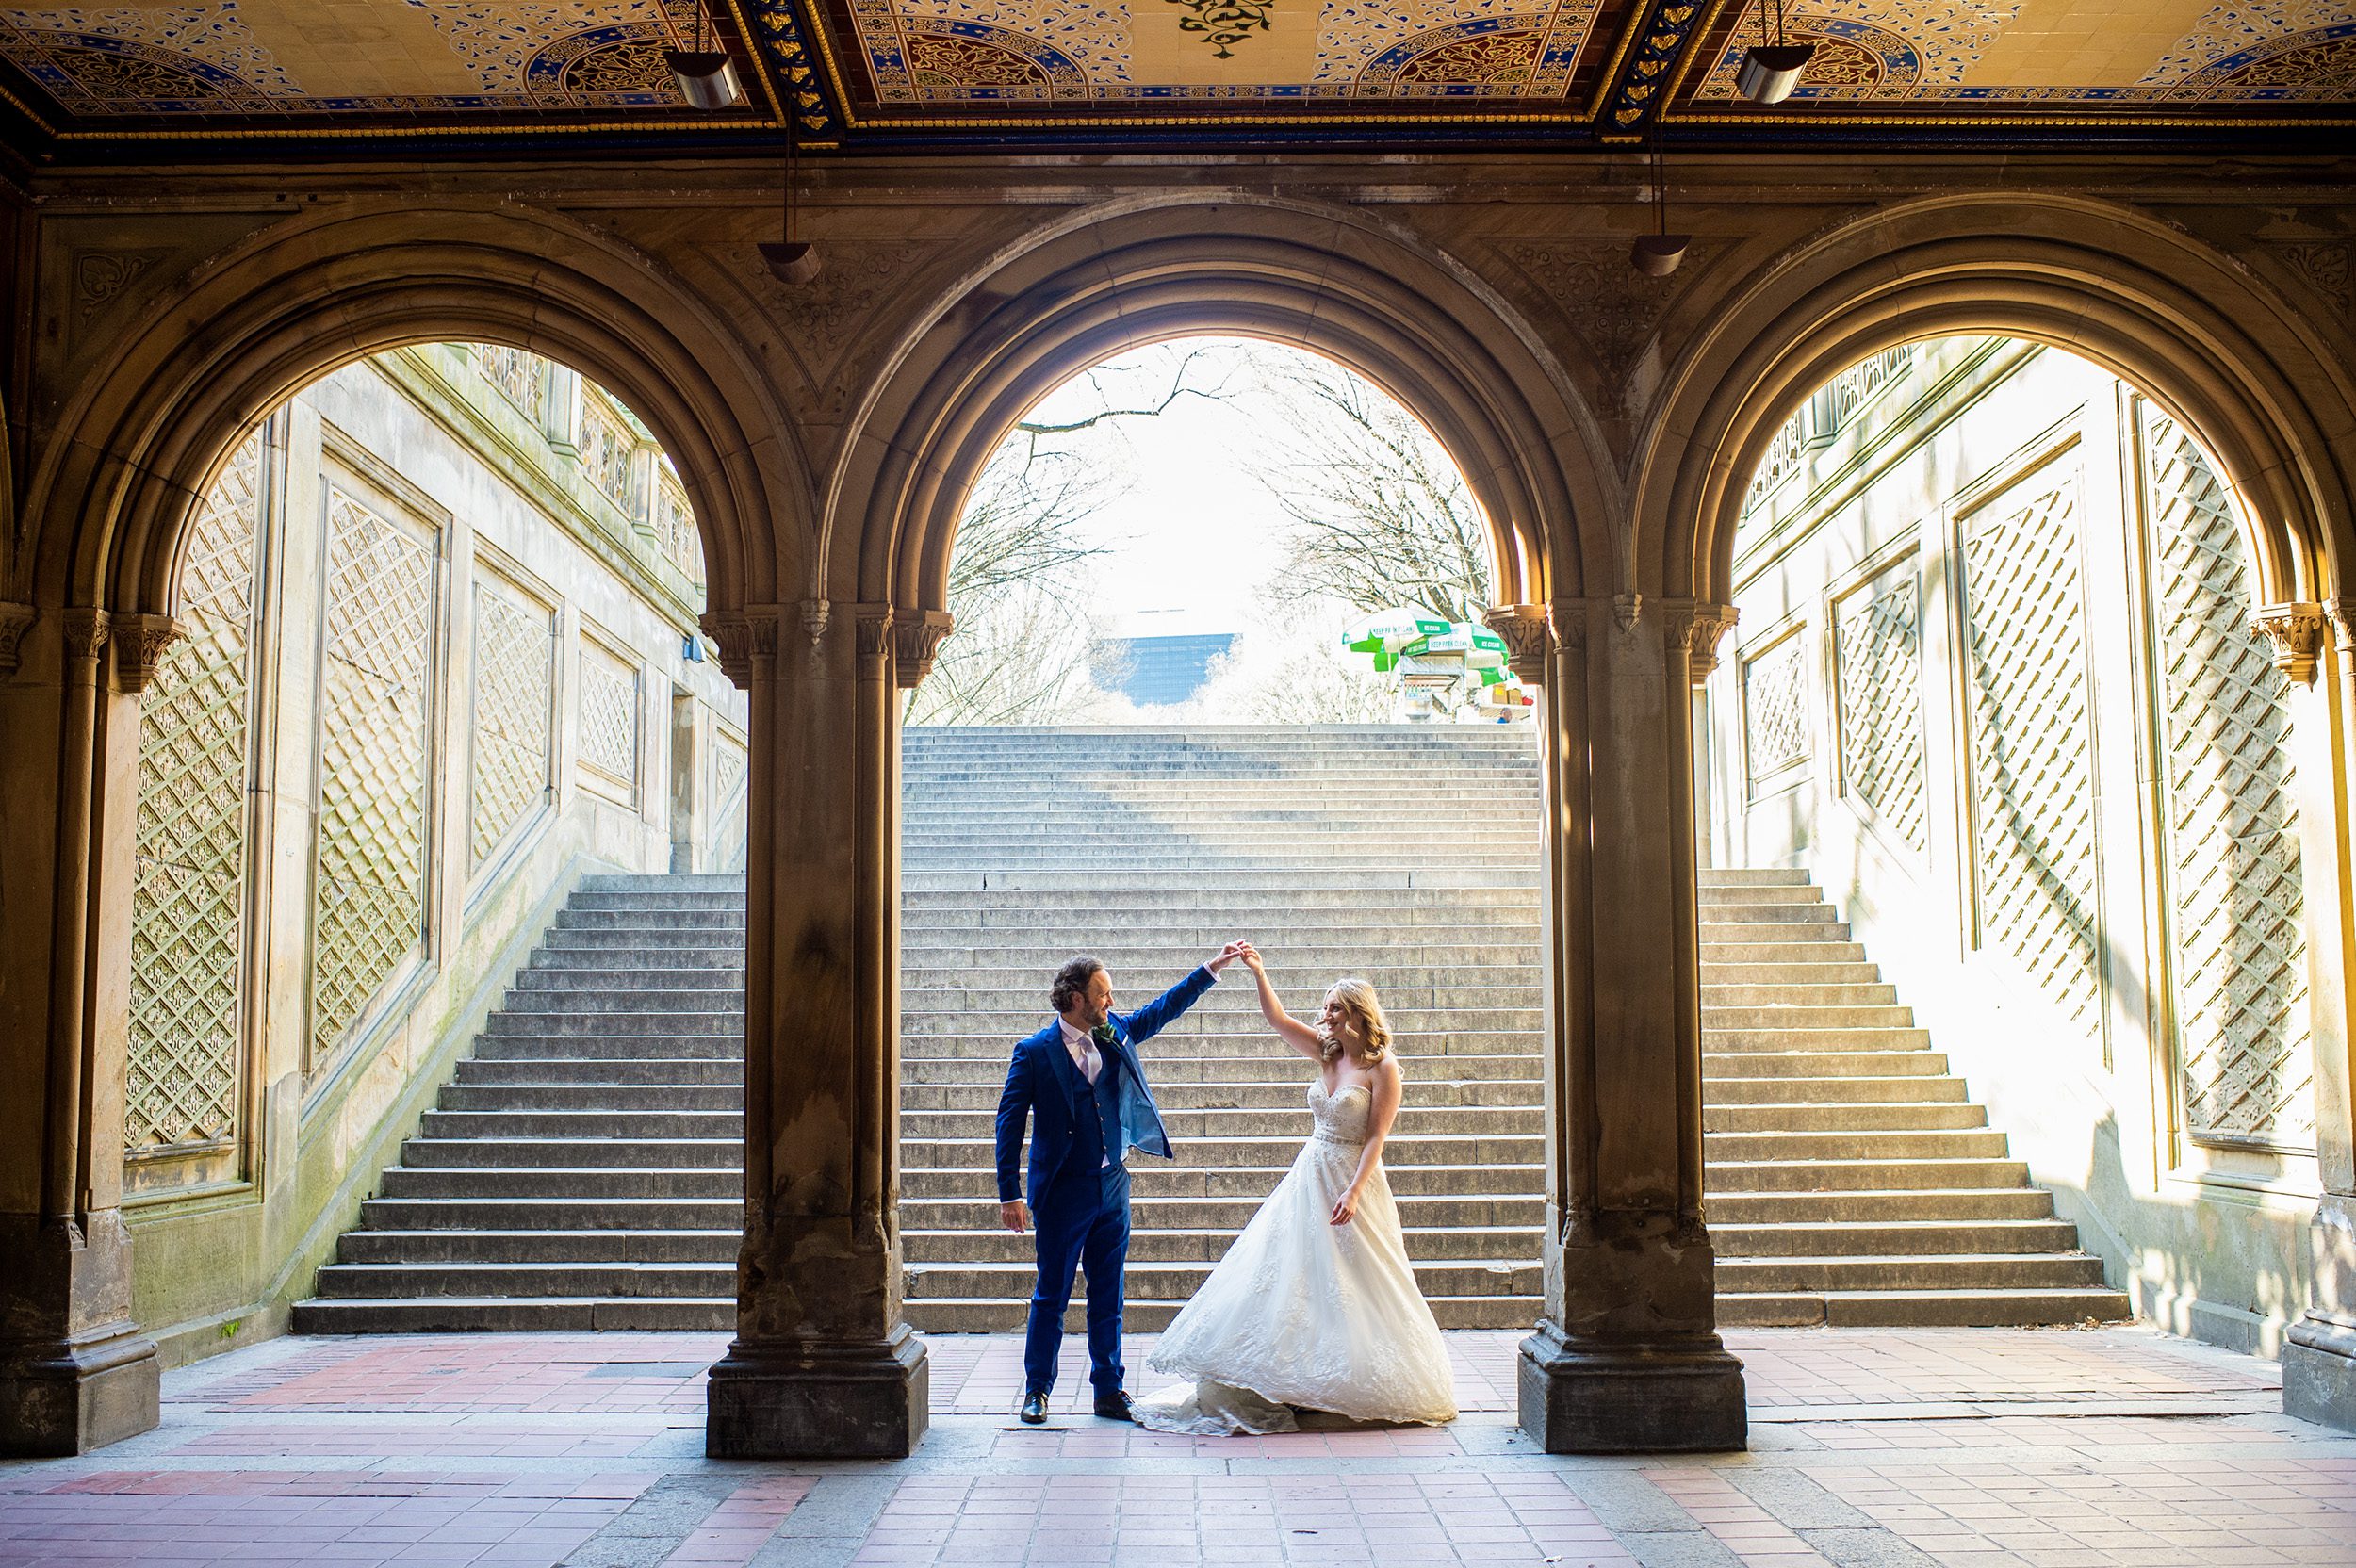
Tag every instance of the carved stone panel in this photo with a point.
(376, 699)
(2032, 744)
(608, 721)
(186, 1086)
(1774, 711)
(2237, 943)
(1877, 700)
(514, 675)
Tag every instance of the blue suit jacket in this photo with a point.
(1042, 1083)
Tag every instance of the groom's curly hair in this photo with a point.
(1071, 980)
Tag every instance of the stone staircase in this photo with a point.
(582, 1169)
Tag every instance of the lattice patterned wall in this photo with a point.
(375, 706)
(2030, 739)
(1877, 671)
(609, 717)
(2238, 948)
(515, 676)
(186, 1069)
(724, 790)
(1775, 709)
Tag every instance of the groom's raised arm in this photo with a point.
(1014, 1109)
(1158, 1014)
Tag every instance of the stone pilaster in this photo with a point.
(2319, 1350)
(1626, 1357)
(76, 1373)
(823, 1366)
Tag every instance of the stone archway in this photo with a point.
(2217, 348)
(1626, 1358)
(116, 477)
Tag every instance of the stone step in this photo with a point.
(1921, 1308)
(1459, 1244)
(1726, 998)
(565, 1247)
(1176, 1282)
(1428, 1211)
(1189, 1037)
(726, 1153)
(1832, 1037)
(1953, 1271)
(614, 1046)
(610, 1098)
(1727, 1019)
(719, 1215)
(1278, 1094)
(1085, 876)
(502, 1314)
(1954, 1204)
(1862, 1116)
(985, 1315)
(1909, 1239)
(1725, 1063)
(1895, 1090)
(1810, 938)
(1416, 1118)
(588, 1072)
(1150, 1178)
(1797, 962)
(1230, 1001)
(451, 1125)
(590, 1184)
(1402, 1152)
(1022, 983)
(393, 1280)
(983, 1067)
(546, 1017)
(1780, 1174)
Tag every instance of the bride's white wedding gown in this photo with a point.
(1303, 1311)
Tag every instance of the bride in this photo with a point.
(1315, 1305)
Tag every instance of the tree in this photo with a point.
(1020, 576)
(1289, 667)
(1382, 519)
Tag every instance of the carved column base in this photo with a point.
(76, 1372)
(819, 1401)
(1681, 1396)
(69, 1397)
(2319, 1355)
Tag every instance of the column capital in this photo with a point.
(916, 638)
(1528, 638)
(86, 632)
(871, 624)
(2297, 631)
(1696, 625)
(15, 620)
(743, 635)
(139, 641)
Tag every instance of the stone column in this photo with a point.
(823, 1366)
(2319, 1350)
(1626, 1358)
(76, 1373)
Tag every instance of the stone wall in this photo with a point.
(435, 667)
(1998, 685)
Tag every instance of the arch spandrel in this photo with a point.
(248, 329)
(2153, 304)
(1447, 346)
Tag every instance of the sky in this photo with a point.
(1195, 533)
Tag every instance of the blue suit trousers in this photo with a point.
(1081, 1218)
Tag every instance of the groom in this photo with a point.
(1081, 1078)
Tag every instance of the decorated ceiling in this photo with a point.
(1350, 72)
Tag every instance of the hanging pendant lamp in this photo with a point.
(1772, 68)
(1657, 254)
(705, 75)
(790, 261)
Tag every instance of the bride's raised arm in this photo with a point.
(1296, 1033)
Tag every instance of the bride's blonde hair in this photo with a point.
(1358, 996)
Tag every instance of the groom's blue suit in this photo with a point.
(1079, 1203)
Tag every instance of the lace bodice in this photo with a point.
(1341, 1117)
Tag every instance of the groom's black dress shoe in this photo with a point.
(1034, 1409)
(1115, 1407)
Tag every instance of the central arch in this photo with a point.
(1376, 299)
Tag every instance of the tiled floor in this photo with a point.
(1870, 1449)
